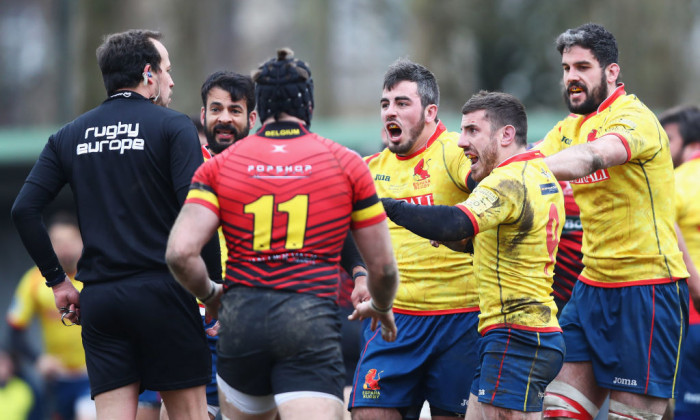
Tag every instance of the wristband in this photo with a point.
(378, 309)
(358, 274)
(211, 294)
(54, 277)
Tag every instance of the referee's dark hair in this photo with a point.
(122, 57)
(501, 109)
(237, 85)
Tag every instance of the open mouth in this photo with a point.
(575, 90)
(223, 135)
(393, 130)
(472, 157)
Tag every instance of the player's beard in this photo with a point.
(402, 149)
(488, 159)
(217, 147)
(593, 98)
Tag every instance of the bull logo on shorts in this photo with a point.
(372, 380)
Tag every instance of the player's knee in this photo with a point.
(621, 411)
(563, 401)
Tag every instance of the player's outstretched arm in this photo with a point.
(438, 223)
(374, 244)
(194, 226)
(584, 159)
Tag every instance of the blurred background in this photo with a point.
(49, 73)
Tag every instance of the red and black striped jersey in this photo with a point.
(286, 198)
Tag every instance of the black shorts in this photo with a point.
(272, 342)
(146, 329)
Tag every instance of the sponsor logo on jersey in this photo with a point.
(566, 140)
(572, 223)
(550, 188)
(382, 177)
(597, 176)
(625, 381)
(279, 171)
(279, 148)
(370, 389)
(423, 200)
(117, 137)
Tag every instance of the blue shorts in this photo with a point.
(212, 389)
(516, 366)
(688, 385)
(631, 335)
(64, 394)
(149, 398)
(433, 359)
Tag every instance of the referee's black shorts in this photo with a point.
(146, 329)
(274, 342)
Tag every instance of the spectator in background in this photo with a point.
(16, 396)
(61, 364)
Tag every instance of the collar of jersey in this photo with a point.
(521, 157)
(439, 129)
(278, 126)
(619, 91)
(126, 94)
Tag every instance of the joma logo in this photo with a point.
(625, 381)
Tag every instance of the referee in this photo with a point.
(129, 163)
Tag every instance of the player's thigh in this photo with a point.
(688, 387)
(516, 367)
(393, 375)
(292, 343)
(450, 371)
(635, 334)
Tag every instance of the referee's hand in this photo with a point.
(383, 319)
(67, 299)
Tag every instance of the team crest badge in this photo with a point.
(370, 389)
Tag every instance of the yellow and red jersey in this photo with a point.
(286, 198)
(628, 231)
(688, 214)
(518, 214)
(433, 280)
(33, 299)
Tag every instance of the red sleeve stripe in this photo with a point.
(624, 143)
(469, 214)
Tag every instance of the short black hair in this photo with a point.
(237, 85)
(122, 57)
(284, 84)
(405, 70)
(593, 37)
(688, 119)
(501, 109)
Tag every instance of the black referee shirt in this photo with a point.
(129, 164)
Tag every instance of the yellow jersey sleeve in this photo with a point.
(433, 280)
